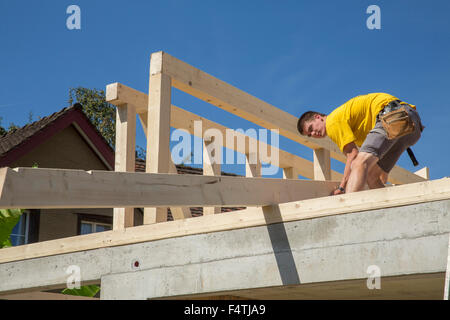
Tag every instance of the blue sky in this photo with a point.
(295, 55)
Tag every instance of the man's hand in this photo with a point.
(338, 191)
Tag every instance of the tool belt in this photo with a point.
(396, 120)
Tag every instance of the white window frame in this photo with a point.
(25, 215)
(94, 225)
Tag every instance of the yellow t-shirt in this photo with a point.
(352, 121)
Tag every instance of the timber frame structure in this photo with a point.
(269, 201)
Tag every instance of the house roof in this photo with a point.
(181, 169)
(17, 143)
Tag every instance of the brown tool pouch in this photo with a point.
(397, 123)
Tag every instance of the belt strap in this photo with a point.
(412, 157)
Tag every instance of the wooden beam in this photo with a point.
(185, 119)
(178, 212)
(322, 166)
(223, 95)
(34, 188)
(210, 167)
(424, 173)
(38, 295)
(253, 167)
(290, 173)
(158, 133)
(125, 157)
(119, 93)
(402, 195)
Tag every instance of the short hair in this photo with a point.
(307, 116)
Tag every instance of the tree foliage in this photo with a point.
(101, 113)
(8, 220)
(84, 291)
(12, 127)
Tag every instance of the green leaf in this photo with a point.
(7, 243)
(84, 291)
(8, 220)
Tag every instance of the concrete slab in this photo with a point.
(407, 245)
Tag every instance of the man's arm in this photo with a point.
(350, 151)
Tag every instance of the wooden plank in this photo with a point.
(290, 173)
(210, 167)
(185, 120)
(424, 173)
(118, 94)
(223, 95)
(125, 157)
(158, 135)
(34, 188)
(178, 212)
(37, 295)
(253, 167)
(402, 195)
(322, 166)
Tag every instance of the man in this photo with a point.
(356, 124)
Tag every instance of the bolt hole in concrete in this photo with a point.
(135, 264)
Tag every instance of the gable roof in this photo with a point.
(15, 144)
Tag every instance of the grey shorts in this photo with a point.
(389, 151)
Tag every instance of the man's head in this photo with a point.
(312, 124)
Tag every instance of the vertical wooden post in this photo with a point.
(177, 212)
(322, 167)
(210, 169)
(125, 157)
(290, 173)
(158, 130)
(252, 169)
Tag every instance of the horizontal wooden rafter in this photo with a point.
(408, 194)
(32, 188)
(227, 97)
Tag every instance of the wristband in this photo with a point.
(341, 189)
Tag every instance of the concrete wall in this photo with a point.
(408, 244)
